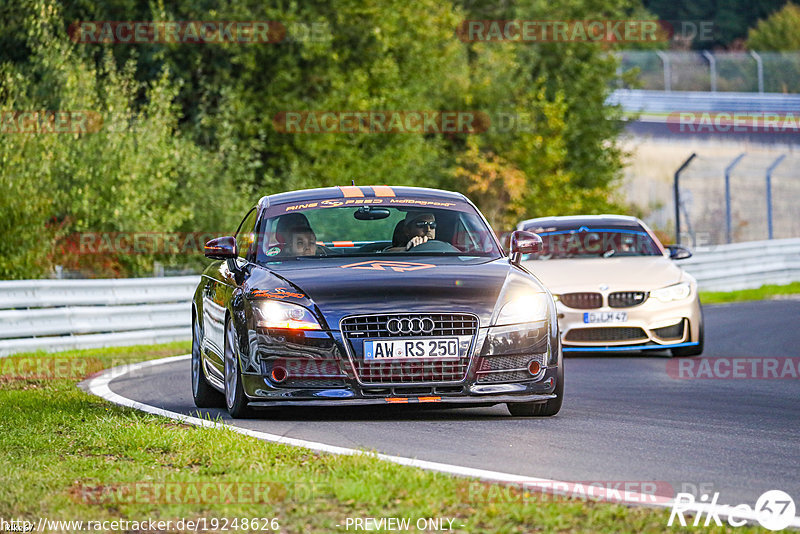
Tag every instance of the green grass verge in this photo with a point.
(762, 293)
(65, 454)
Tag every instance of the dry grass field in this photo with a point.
(647, 185)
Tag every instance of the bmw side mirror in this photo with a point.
(221, 248)
(524, 243)
(677, 252)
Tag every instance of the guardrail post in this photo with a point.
(728, 170)
(759, 70)
(676, 192)
(769, 192)
(667, 72)
(712, 69)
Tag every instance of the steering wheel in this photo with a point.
(434, 245)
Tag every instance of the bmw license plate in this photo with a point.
(402, 349)
(605, 317)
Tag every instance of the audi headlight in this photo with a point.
(674, 292)
(527, 308)
(277, 314)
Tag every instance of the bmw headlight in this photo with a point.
(674, 292)
(527, 308)
(277, 314)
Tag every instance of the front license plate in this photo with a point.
(605, 317)
(403, 349)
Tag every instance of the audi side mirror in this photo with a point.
(221, 248)
(677, 252)
(524, 243)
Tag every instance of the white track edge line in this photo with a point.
(99, 386)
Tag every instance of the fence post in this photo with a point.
(712, 69)
(728, 170)
(667, 72)
(677, 194)
(760, 70)
(769, 192)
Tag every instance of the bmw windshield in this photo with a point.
(290, 232)
(588, 242)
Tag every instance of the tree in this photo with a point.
(779, 32)
(565, 137)
(129, 170)
(493, 183)
(193, 138)
(731, 18)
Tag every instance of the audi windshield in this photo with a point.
(296, 232)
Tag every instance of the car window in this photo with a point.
(245, 233)
(375, 230)
(587, 242)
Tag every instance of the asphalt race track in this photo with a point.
(624, 418)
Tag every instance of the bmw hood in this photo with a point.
(339, 287)
(638, 273)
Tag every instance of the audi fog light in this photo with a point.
(674, 292)
(526, 308)
(276, 314)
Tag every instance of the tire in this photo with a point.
(541, 409)
(694, 350)
(235, 399)
(205, 396)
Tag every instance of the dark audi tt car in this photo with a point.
(373, 295)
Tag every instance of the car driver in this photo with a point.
(302, 242)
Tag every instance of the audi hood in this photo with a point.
(338, 287)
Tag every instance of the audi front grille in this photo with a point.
(355, 329)
(582, 301)
(626, 299)
(370, 326)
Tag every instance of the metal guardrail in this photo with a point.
(645, 101)
(745, 265)
(106, 292)
(53, 315)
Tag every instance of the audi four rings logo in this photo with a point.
(416, 325)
